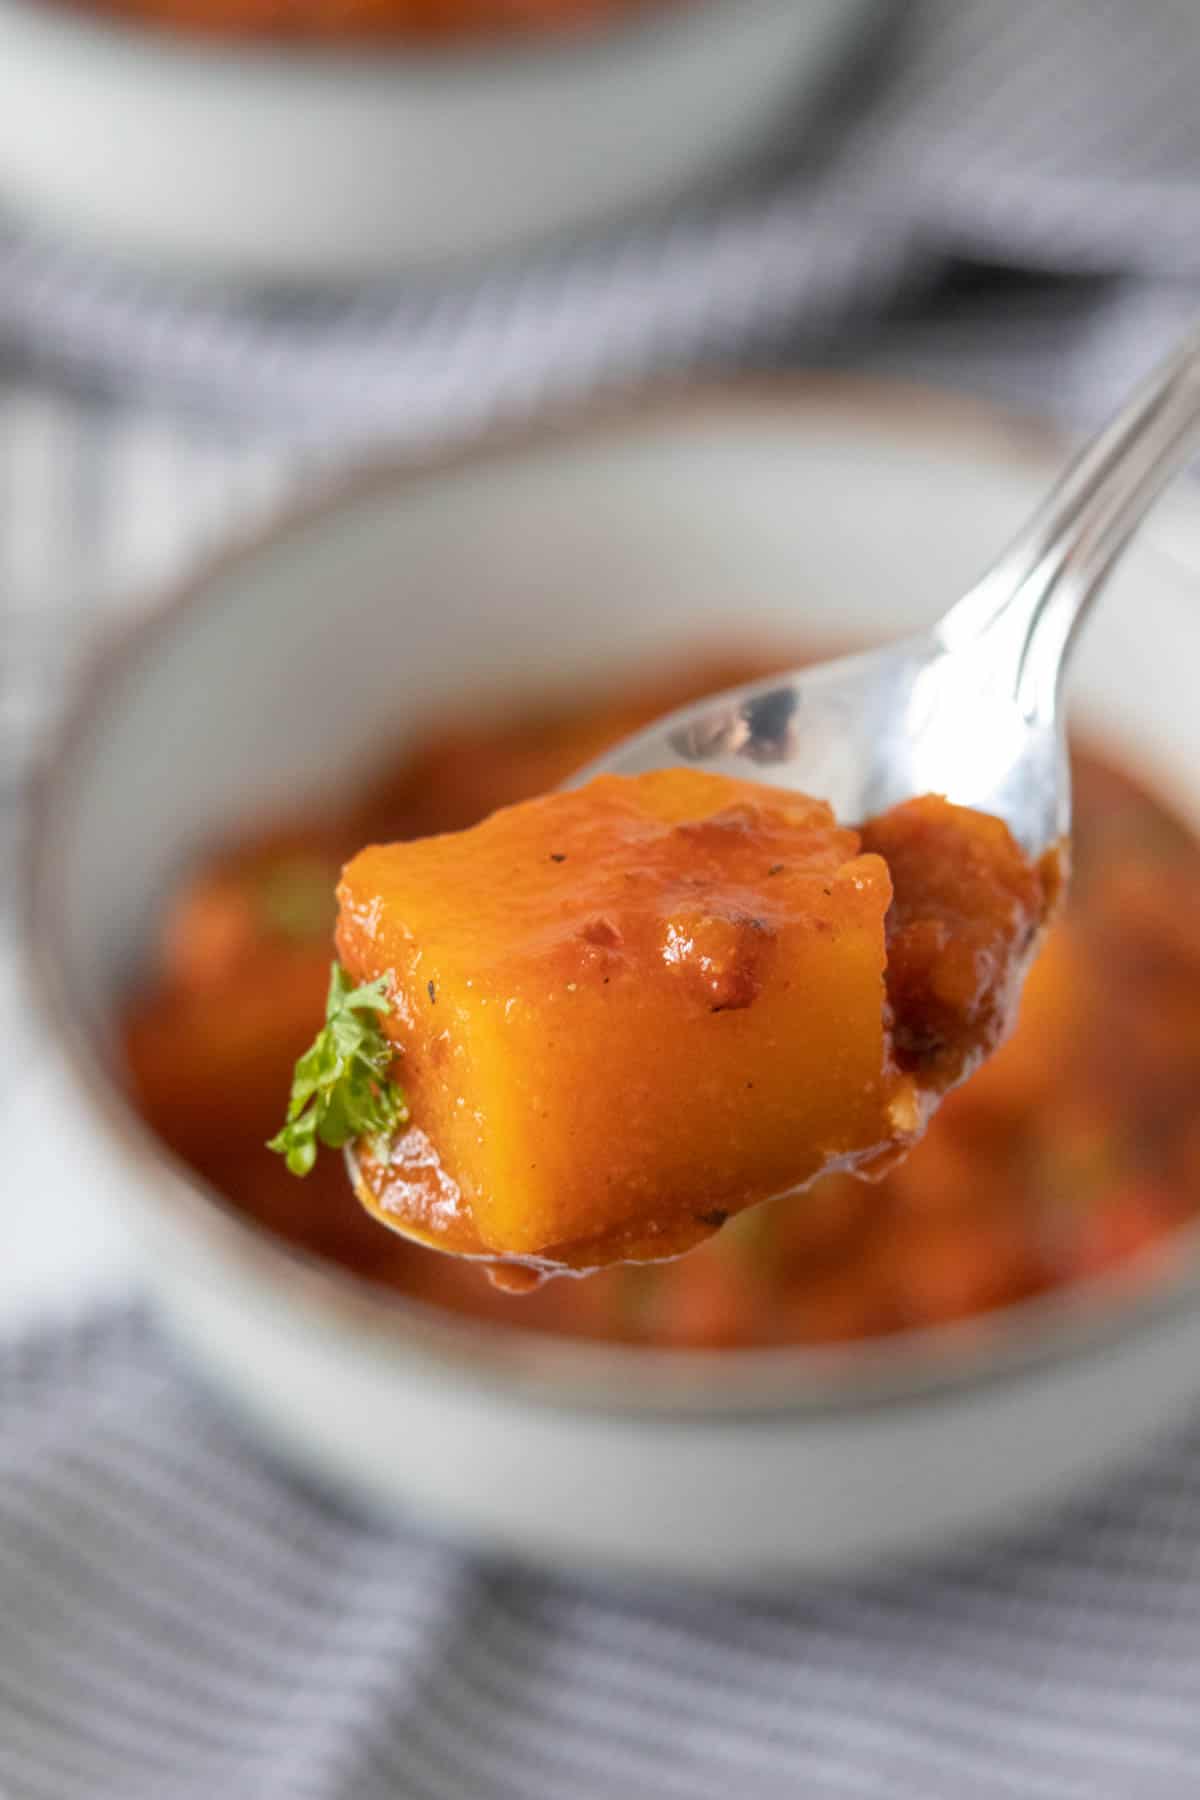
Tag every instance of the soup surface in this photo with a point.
(1076, 1150)
(411, 21)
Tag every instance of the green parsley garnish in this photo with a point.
(341, 1088)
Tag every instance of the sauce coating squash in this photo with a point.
(1074, 1150)
(626, 1012)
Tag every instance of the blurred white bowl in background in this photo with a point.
(301, 163)
(284, 669)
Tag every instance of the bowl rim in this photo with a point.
(84, 23)
(929, 1366)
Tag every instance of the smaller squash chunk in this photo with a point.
(624, 1012)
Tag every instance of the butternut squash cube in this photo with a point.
(624, 1012)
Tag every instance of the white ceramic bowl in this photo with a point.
(286, 666)
(324, 164)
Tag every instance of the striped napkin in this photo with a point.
(1054, 135)
(182, 1622)
(1012, 207)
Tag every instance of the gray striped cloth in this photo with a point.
(179, 1618)
(180, 1621)
(1057, 135)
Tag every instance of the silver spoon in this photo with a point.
(970, 709)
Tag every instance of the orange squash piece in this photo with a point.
(625, 1012)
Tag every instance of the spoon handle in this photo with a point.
(1030, 604)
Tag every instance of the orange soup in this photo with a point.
(407, 21)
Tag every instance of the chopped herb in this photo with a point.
(431, 990)
(558, 856)
(775, 869)
(341, 1088)
(296, 896)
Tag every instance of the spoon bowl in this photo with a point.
(971, 709)
(868, 731)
